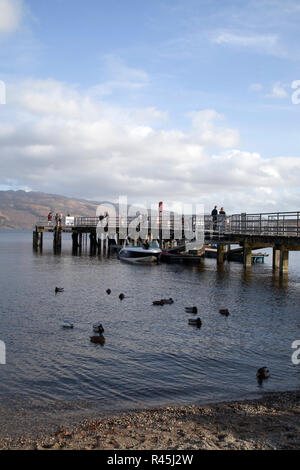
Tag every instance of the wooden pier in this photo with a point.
(279, 231)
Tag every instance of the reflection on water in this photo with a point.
(151, 355)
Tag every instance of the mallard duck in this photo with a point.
(66, 324)
(195, 321)
(158, 302)
(191, 309)
(263, 373)
(59, 289)
(224, 312)
(97, 339)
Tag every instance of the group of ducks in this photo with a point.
(263, 373)
(97, 327)
(121, 296)
(192, 321)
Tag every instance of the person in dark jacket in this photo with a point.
(214, 215)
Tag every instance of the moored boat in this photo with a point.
(142, 254)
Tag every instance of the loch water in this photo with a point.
(151, 356)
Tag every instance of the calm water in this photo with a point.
(152, 356)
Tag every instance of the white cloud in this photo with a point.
(206, 131)
(11, 12)
(62, 141)
(120, 76)
(278, 91)
(264, 43)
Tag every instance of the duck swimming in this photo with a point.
(224, 312)
(108, 291)
(169, 301)
(121, 296)
(191, 309)
(158, 302)
(66, 324)
(97, 339)
(196, 322)
(263, 373)
(59, 289)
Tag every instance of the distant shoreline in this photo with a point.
(270, 422)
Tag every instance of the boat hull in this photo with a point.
(136, 255)
(143, 260)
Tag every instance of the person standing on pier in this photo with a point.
(49, 218)
(214, 214)
(222, 220)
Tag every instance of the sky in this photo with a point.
(192, 101)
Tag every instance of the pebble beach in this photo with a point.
(271, 422)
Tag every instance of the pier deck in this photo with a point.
(279, 231)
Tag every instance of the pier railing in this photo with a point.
(285, 224)
(172, 224)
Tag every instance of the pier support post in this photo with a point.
(284, 260)
(107, 245)
(220, 253)
(101, 244)
(37, 240)
(75, 243)
(57, 239)
(276, 258)
(80, 241)
(247, 256)
(93, 243)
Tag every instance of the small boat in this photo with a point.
(67, 324)
(142, 254)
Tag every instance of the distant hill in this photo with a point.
(19, 210)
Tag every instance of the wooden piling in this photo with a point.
(37, 240)
(276, 258)
(80, 242)
(220, 253)
(284, 260)
(247, 256)
(75, 244)
(57, 239)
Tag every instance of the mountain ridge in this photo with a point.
(20, 210)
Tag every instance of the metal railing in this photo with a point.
(284, 224)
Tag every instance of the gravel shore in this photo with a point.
(271, 422)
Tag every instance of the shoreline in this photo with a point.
(269, 422)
